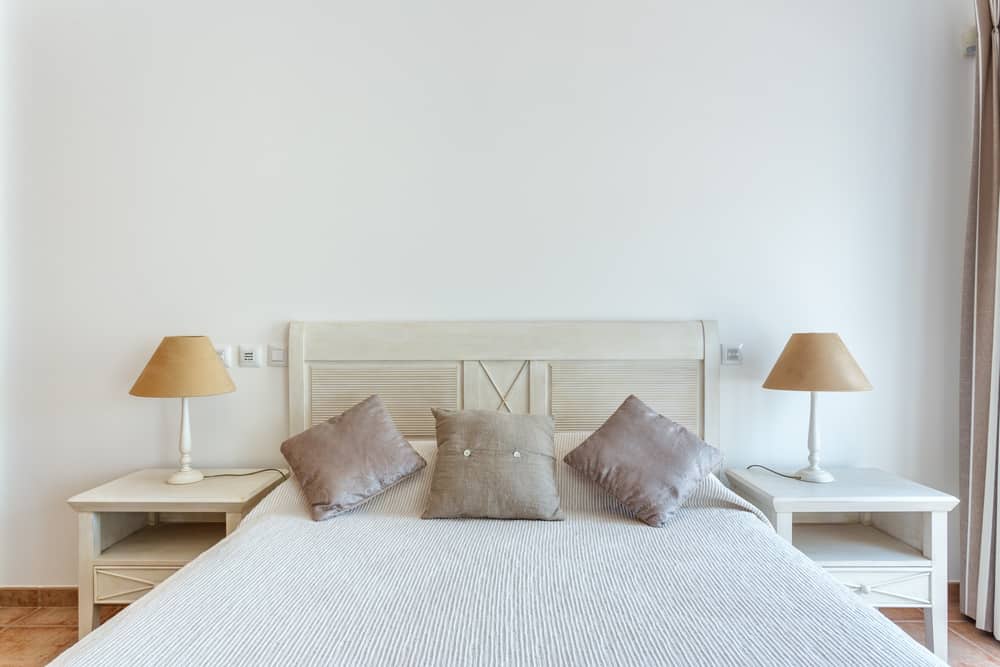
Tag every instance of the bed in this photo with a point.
(380, 586)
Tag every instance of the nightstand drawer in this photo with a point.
(123, 584)
(887, 587)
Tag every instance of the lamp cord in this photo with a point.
(774, 472)
(247, 474)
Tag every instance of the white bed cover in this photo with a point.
(380, 586)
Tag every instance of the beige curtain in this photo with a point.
(980, 355)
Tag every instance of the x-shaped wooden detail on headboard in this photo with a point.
(503, 394)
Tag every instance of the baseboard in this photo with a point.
(65, 596)
(38, 596)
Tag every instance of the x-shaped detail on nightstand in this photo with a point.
(144, 585)
(503, 394)
(865, 589)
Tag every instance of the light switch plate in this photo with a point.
(225, 353)
(277, 355)
(252, 356)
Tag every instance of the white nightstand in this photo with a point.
(855, 545)
(138, 530)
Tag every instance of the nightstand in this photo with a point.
(137, 530)
(861, 530)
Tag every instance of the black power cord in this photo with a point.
(247, 474)
(774, 472)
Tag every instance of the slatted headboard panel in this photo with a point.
(584, 393)
(408, 391)
(578, 372)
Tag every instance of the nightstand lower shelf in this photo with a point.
(833, 544)
(163, 544)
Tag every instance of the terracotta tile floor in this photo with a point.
(36, 635)
(967, 646)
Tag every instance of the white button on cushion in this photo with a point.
(466, 453)
(517, 454)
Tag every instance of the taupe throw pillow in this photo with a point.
(493, 465)
(343, 462)
(646, 461)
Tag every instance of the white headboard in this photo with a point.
(578, 372)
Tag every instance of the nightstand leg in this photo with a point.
(89, 547)
(783, 525)
(936, 549)
(232, 521)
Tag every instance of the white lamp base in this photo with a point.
(816, 475)
(812, 472)
(185, 477)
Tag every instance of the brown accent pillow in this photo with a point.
(343, 462)
(493, 465)
(648, 462)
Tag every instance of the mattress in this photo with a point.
(380, 586)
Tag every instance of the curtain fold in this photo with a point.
(979, 401)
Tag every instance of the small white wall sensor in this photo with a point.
(970, 42)
(732, 355)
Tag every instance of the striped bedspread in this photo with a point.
(380, 586)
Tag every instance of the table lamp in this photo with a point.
(816, 362)
(182, 367)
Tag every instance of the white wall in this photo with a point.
(224, 167)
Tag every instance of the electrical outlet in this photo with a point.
(225, 353)
(732, 355)
(252, 356)
(276, 355)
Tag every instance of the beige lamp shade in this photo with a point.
(183, 366)
(816, 362)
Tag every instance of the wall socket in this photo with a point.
(225, 353)
(252, 356)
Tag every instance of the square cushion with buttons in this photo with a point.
(493, 465)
